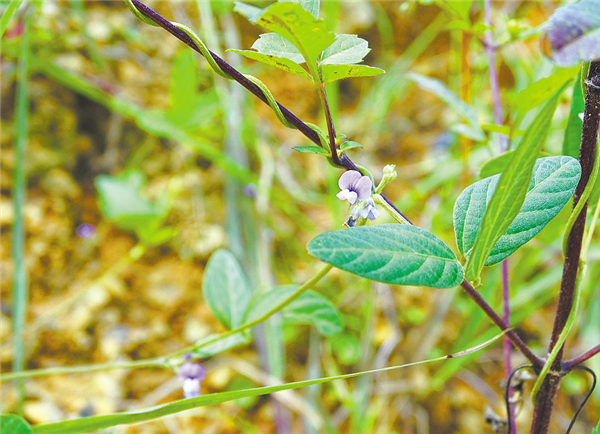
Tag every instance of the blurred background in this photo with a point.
(140, 162)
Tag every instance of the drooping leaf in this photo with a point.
(552, 185)
(220, 345)
(458, 105)
(225, 289)
(13, 424)
(573, 33)
(499, 163)
(279, 62)
(349, 144)
(346, 50)
(276, 45)
(572, 139)
(311, 6)
(311, 149)
(390, 253)
(511, 189)
(309, 308)
(297, 25)
(332, 73)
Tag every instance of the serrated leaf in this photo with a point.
(225, 288)
(309, 308)
(499, 163)
(572, 138)
(573, 33)
(349, 144)
(539, 91)
(390, 253)
(552, 185)
(279, 62)
(220, 345)
(332, 73)
(276, 45)
(458, 105)
(308, 34)
(511, 189)
(312, 149)
(311, 6)
(347, 49)
(13, 424)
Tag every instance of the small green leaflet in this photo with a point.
(12, 424)
(332, 73)
(511, 189)
(390, 253)
(279, 62)
(225, 289)
(347, 49)
(552, 185)
(312, 149)
(349, 144)
(276, 45)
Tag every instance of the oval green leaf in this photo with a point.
(225, 289)
(332, 73)
(10, 423)
(552, 185)
(390, 253)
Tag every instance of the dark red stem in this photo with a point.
(570, 364)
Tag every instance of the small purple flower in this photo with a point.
(354, 186)
(191, 374)
(85, 230)
(369, 211)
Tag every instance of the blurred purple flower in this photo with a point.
(369, 211)
(354, 186)
(85, 230)
(191, 374)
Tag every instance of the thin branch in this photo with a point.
(570, 364)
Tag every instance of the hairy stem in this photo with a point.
(570, 364)
(547, 394)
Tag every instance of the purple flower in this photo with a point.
(191, 374)
(85, 230)
(354, 186)
(369, 211)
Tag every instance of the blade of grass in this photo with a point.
(20, 289)
(8, 15)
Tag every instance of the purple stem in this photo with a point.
(570, 364)
(503, 144)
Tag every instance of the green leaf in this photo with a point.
(279, 62)
(458, 105)
(276, 45)
(573, 33)
(572, 139)
(8, 15)
(349, 144)
(390, 253)
(12, 424)
(308, 34)
(597, 429)
(347, 49)
(309, 308)
(252, 13)
(511, 189)
(538, 92)
(312, 149)
(311, 6)
(552, 185)
(220, 345)
(499, 163)
(502, 129)
(332, 73)
(225, 288)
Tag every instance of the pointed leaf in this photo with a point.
(572, 139)
(499, 163)
(349, 144)
(511, 190)
(332, 73)
(298, 26)
(539, 91)
(346, 49)
(225, 288)
(573, 33)
(276, 45)
(390, 253)
(312, 149)
(279, 62)
(13, 424)
(552, 185)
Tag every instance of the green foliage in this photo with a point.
(349, 144)
(346, 50)
(8, 14)
(390, 253)
(219, 345)
(499, 163)
(333, 73)
(572, 138)
(12, 424)
(472, 129)
(311, 149)
(121, 201)
(309, 308)
(225, 289)
(551, 186)
(511, 190)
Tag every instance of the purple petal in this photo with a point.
(348, 179)
(191, 370)
(363, 187)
